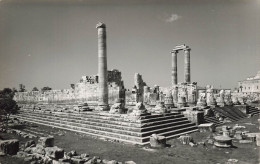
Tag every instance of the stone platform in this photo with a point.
(118, 127)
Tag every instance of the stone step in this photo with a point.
(212, 120)
(225, 113)
(233, 112)
(89, 124)
(95, 114)
(171, 126)
(241, 114)
(110, 135)
(124, 118)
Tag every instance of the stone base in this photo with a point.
(223, 141)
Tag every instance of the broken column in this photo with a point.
(174, 68)
(102, 67)
(187, 65)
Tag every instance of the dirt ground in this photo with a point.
(176, 153)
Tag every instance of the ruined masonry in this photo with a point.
(100, 106)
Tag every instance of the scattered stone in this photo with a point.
(185, 139)
(233, 160)
(30, 143)
(245, 141)
(112, 162)
(54, 152)
(77, 160)
(46, 141)
(28, 159)
(157, 141)
(21, 154)
(39, 149)
(28, 150)
(238, 135)
(84, 155)
(72, 153)
(2, 154)
(130, 162)
(10, 147)
(192, 144)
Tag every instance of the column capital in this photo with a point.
(101, 25)
(174, 51)
(187, 49)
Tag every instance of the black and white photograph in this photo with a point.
(129, 81)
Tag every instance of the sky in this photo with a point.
(54, 42)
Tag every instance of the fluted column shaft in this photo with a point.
(187, 65)
(102, 65)
(174, 68)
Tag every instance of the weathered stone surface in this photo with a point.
(157, 141)
(54, 152)
(77, 160)
(10, 147)
(30, 143)
(245, 141)
(21, 154)
(46, 141)
(130, 162)
(138, 110)
(210, 127)
(72, 153)
(39, 149)
(160, 108)
(117, 108)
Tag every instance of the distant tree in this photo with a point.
(7, 106)
(22, 88)
(35, 89)
(45, 89)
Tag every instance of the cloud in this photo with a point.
(172, 18)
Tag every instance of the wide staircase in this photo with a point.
(230, 112)
(117, 127)
(253, 110)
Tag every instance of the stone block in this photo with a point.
(130, 162)
(54, 152)
(208, 127)
(10, 147)
(196, 117)
(157, 141)
(46, 141)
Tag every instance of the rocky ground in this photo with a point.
(203, 151)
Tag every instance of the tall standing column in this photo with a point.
(187, 65)
(174, 68)
(102, 67)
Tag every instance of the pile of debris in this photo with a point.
(45, 152)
